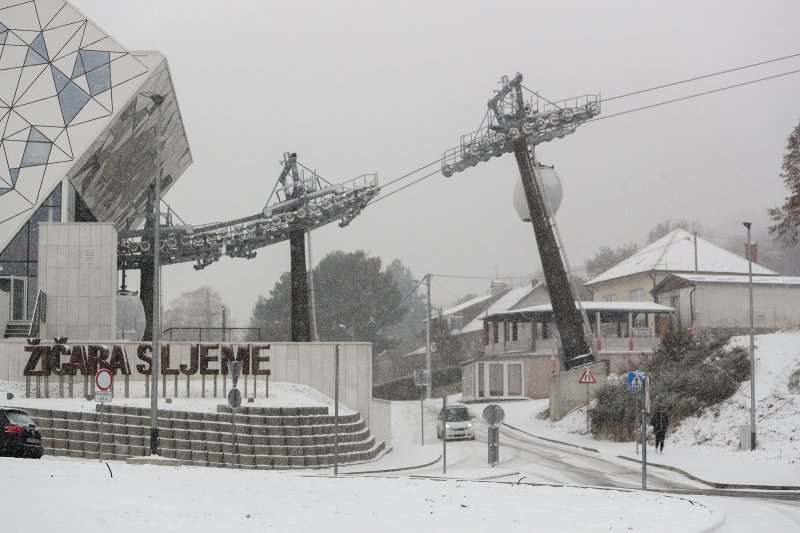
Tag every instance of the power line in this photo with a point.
(728, 71)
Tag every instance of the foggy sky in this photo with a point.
(357, 87)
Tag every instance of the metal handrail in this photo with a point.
(39, 314)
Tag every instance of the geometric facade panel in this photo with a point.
(62, 79)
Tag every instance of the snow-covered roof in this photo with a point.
(504, 303)
(464, 305)
(740, 278)
(621, 306)
(675, 253)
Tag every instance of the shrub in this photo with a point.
(794, 382)
(686, 376)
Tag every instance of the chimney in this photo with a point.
(753, 250)
(497, 288)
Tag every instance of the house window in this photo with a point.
(609, 297)
(636, 295)
(495, 332)
(481, 390)
(496, 379)
(514, 379)
(514, 331)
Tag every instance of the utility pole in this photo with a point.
(752, 344)
(429, 390)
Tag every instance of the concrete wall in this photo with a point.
(622, 287)
(380, 423)
(310, 364)
(5, 309)
(566, 393)
(727, 306)
(81, 295)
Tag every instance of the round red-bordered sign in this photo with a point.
(103, 379)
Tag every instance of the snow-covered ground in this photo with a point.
(280, 395)
(708, 445)
(82, 495)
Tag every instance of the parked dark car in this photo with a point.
(19, 436)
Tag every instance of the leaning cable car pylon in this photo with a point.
(516, 121)
(298, 203)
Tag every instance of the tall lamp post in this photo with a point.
(158, 100)
(752, 348)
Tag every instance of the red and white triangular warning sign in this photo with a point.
(587, 378)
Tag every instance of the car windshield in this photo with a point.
(20, 419)
(456, 415)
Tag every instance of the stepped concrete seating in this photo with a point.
(265, 437)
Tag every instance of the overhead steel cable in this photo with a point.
(385, 196)
(696, 78)
(704, 93)
(436, 162)
(641, 91)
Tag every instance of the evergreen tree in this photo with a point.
(787, 217)
(355, 301)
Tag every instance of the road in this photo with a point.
(527, 459)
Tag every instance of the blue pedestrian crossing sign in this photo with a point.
(635, 381)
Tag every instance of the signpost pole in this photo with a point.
(644, 439)
(100, 436)
(636, 424)
(336, 415)
(422, 417)
(444, 446)
(587, 408)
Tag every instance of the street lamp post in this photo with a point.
(158, 100)
(752, 346)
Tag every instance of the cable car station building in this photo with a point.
(78, 144)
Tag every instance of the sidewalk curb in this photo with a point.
(713, 483)
(552, 440)
(400, 469)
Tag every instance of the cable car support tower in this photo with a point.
(517, 120)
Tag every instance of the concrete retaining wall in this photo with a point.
(566, 393)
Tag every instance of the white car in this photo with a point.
(458, 422)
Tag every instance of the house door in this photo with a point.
(675, 320)
(14, 286)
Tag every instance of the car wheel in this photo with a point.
(37, 455)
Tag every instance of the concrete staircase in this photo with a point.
(17, 329)
(265, 438)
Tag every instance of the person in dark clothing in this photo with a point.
(660, 423)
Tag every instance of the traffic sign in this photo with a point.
(422, 378)
(235, 370)
(103, 379)
(235, 398)
(102, 396)
(635, 380)
(587, 378)
(493, 415)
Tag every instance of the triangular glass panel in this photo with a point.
(78, 70)
(14, 174)
(37, 136)
(61, 80)
(36, 153)
(33, 58)
(99, 79)
(72, 100)
(40, 47)
(93, 59)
